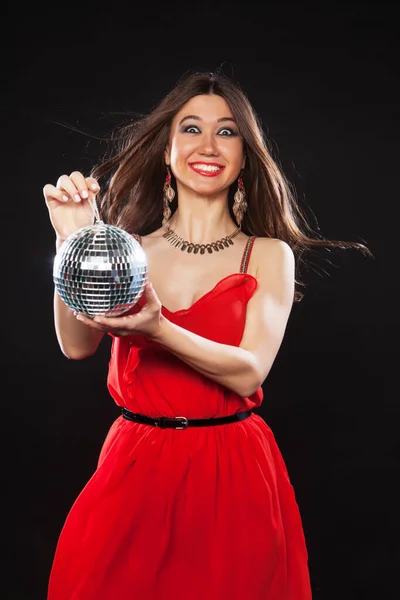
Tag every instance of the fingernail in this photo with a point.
(84, 193)
(94, 186)
(65, 198)
(77, 198)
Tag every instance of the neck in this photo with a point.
(202, 219)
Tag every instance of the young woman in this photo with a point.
(191, 498)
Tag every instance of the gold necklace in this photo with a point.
(175, 240)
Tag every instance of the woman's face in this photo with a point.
(205, 150)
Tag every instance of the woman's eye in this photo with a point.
(226, 131)
(191, 129)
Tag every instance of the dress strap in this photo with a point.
(247, 254)
(137, 237)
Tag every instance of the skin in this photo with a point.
(202, 216)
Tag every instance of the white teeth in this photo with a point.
(206, 167)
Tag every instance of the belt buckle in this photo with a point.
(183, 420)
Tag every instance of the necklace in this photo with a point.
(175, 240)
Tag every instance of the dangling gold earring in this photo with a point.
(240, 205)
(168, 196)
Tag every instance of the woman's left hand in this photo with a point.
(146, 322)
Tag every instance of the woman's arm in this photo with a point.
(70, 208)
(243, 369)
(75, 339)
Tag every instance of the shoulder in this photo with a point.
(151, 240)
(274, 267)
(271, 243)
(270, 252)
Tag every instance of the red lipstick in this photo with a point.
(207, 169)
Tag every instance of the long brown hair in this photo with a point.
(133, 174)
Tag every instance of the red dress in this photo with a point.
(205, 513)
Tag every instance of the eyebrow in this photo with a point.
(196, 118)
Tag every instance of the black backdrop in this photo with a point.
(325, 82)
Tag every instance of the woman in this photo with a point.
(180, 508)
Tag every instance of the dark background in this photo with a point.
(324, 80)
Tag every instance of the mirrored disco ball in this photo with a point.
(100, 270)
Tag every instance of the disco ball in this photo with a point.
(100, 270)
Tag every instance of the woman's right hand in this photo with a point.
(69, 203)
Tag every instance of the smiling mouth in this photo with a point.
(207, 169)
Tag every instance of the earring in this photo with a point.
(168, 196)
(240, 205)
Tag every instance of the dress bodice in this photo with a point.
(146, 378)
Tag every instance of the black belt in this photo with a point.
(182, 422)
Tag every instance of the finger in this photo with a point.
(65, 183)
(88, 321)
(92, 184)
(150, 295)
(50, 193)
(80, 183)
(115, 323)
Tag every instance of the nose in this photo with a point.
(208, 145)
